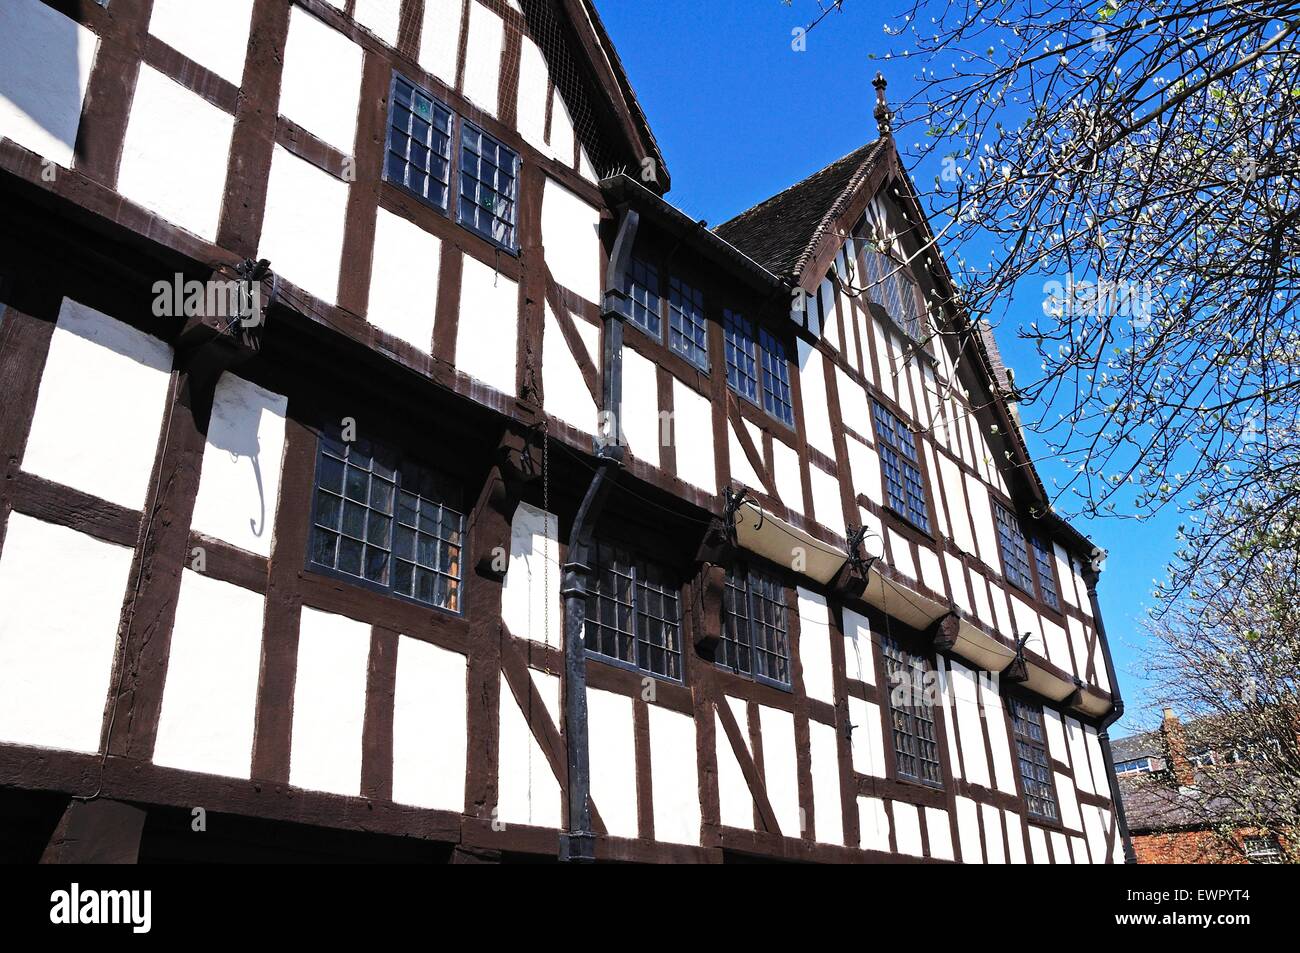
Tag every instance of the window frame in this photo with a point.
(1035, 745)
(402, 461)
(749, 569)
(886, 443)
(1010, 521)
(452, 209)
(765, 350)
(927, 667)
(1043, 555)
(512, 247)
(634, 559)
(674, 283)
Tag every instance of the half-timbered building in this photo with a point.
(391, 471)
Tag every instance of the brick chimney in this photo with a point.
(1171, 729)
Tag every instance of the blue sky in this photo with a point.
(740, 115)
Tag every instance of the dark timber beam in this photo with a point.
(100, 831)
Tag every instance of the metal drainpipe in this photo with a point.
(577, 843)
(1091, 575)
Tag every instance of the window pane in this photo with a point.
(488, 172)
(755, 634)
(371, 531)
(1031, 755)
(742, 368)
(916, 748)
(419, 144)
(633, 613)
(687, 328)
(904, 487)
(643, 289)
(776, 378)
(1015, 557)
(1046, 572)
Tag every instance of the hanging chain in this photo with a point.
(546, 537)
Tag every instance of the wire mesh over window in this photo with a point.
(488, 179)
(419, 144)
(1015, 556)
(911, 709)
(643, 290)
(776, 378)
(633, 614)
(1031, 752)
(742, 368)
(755, 636)
(904, 487)
(687, 329)
(1046, 572)
(385, 522)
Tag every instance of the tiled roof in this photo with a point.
(781, 232)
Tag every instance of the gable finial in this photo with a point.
(884, 115)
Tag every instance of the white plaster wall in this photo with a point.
(528, 791)
(966, 700)
(932, 479)
(565, 389)
(867, 741)
(826, 499)
(1038, 845)
(1100, 781)
(1064, 574)
(983, 607)
(900, 554)
(58, 633)
(956, 499)
(741, 469)
(72, 438)
(938, 831)
(209, 703)
(828, 814)
(639, 416)
(533, 578)
(812, 383)
(780, 770)
(239, 487)
(1078, 644)
(1095, 830)
(853, 403)
(735, 800)
(487, 333)
(1006, 624)
(1079, 756)
(320, 87)
(1069, 802)
(571, 239)
(995, 722)
(1060, 848)
(440, 38)
(786, 475)
(533, 88)
(873, 824)
(674, 777)
(1080, 850)
(612, 742)
(1015, 838)
(380, 17)
(957, 588)
(404, 280)
(45, 64)
(562, 135)
(946, 696)
(815, 646)
(1099, 666)
(219, 43)
(907, 828)
(1055, 735)
(1054, 636)
(864, 464)
(931, 573)
(968, 831)
(302, 230)
(429, 726)
(993, 842)
(483, 58)
(859, 659)
(982, 517)
(329, 703)
(693, 437)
